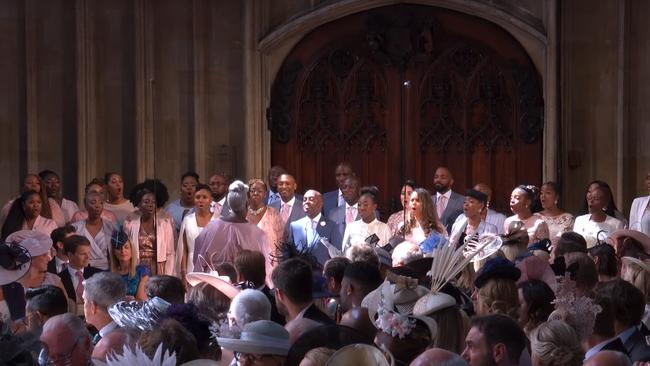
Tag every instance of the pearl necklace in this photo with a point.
(256, 212)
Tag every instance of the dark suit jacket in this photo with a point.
(325, 229)
(452, 210)
(616, 345)
(51, 266)
(314, 313)
(67, 281)
(14, 295)
(637, 345)
(275, 314)
(330, 201)
(296, 210)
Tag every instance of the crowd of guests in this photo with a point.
(255, 273)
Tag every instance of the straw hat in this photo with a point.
(262, 337)
(631, 260)
(401, 295)
(212, 278)
(636, 235)
(359, 354)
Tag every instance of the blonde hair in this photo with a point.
(500, 296)
(320, 355)
(556, 343)
(639, 277)
(512, 251)
(115, 262)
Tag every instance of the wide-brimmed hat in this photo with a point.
(635, 261)
(15, 261)
(140, 315)
(415, 269)
(359, 354)
(400, 296)
(34, 241)
(262, 337)
(536, 268)
(497, 268)
(636, 235)
(212, 278)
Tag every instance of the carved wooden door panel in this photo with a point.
(398, 91)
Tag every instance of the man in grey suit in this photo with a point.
(448, 203)
(334, 199)
(290, 204)
(306, 233)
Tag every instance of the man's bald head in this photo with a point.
(608, 358)
(312, 203)
(438, 356)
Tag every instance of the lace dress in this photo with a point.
(558, 225)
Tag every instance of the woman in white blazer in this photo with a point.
(640, 211)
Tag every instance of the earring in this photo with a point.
(556, 202)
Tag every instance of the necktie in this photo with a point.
(79, 290)
(350, 215)
(285, 212)
(441, 205)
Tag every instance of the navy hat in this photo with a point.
(118, 239)
(480, 196)
(497, 268)
(543, 245)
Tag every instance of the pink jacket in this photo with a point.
(164, 238)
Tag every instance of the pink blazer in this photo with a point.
(164, 238)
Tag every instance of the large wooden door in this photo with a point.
(400, 90)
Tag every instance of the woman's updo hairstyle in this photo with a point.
(371, 192)
(238, 197)
(532, 192)
(556, 343)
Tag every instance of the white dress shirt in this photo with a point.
(356, 233)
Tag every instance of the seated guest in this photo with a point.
(124, 263)
(515, 241)
(637, 272)
(359, 280)
(422, 222)
(62, 209)
(192, 225)
(14, 264)
(211, 294)
(168, 288)
(494, 340)
(306, 233)
(404, 342)
(223, 239)
(290, 204)
(317, 356)
(101, 291)
(248, 306)
(608, 358)
(39, 247)
(472, 222)
(569, 245)
(496, 288)
(606, 261)
(34, 183)
(187, 316)
(536, 304)
(358, 231)
(438, 356)
(116, 203)
(95, 185)
(293, 283)
(60, 260)
(603, 334)
(42, 304)
(179, 208)
(97, 230)
(334, 199)
(66, 341)
(629, 305)
(557, 220)
(524, 202)
(173, 338)
(333, 272)
(260, 340)
(25, 214)
(362, 253)
(359, 319)
(77, 248)
(250, 268)
(151, 232)
(405, 253)
(583, 271)
(114, 343)
(596, 220)
(396, 221)
(266, 218)
(556, 343)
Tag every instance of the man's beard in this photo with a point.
(440, 188)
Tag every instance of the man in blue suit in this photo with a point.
(448, 204)
(307, 232)
(349, 212)
(290, 204)
(334, 199)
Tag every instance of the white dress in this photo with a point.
(589, 229)
(189, 230)
(356, 233)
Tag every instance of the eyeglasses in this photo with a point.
(249, 357)
(65, 360)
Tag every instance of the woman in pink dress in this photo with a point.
(223, 239)
(522, 201)
(25, 214)
(266, 218)
(557, 220)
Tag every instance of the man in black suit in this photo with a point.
(250, 266)
(293, 291)
(448, 204)
(604, 336)
(60, 260)
(290, 204)
(629, 306)
(77, 248)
